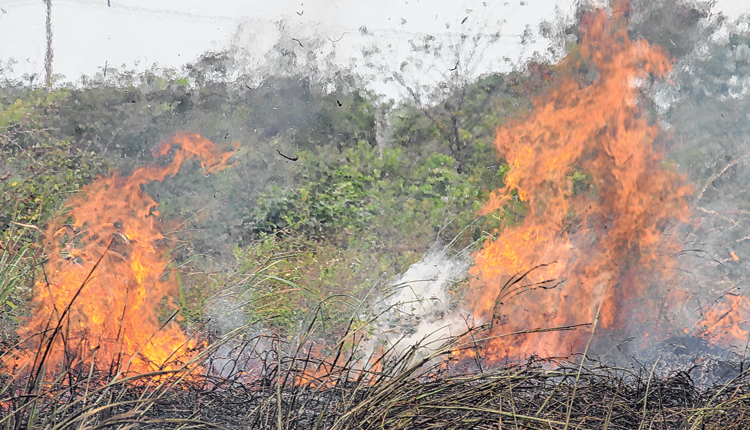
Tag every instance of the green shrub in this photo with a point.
(38, 171)
(358, 193)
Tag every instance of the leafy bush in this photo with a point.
(357, 193)
(37, 173)
(38, 170)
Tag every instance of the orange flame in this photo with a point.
(104, 291)
(604, 236)
(727, 322)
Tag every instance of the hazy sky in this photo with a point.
(139, 33)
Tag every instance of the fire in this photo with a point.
(723, 323)
(600, 201)
(103, 295)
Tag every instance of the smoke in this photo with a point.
(412, 59)
(703, 112)
(691, 308)
(705, 108)
(420, 309)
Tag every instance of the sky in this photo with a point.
(136, 34)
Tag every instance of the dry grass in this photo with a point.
(264, 382)
(261, 387)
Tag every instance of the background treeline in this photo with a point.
(375, 183)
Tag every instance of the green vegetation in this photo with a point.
(39, 169)
(373, 185)
(332, 194)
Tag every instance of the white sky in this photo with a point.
(139, 33)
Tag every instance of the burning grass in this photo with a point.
(602, 203)
(265, 386)
(103, 350)
(103, 281)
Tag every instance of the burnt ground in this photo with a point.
(405, 392)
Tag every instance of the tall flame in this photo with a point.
(603, 237)
(104, 292)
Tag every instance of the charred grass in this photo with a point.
(241, 381)
(266, 383)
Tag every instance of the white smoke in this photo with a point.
(419, 309)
